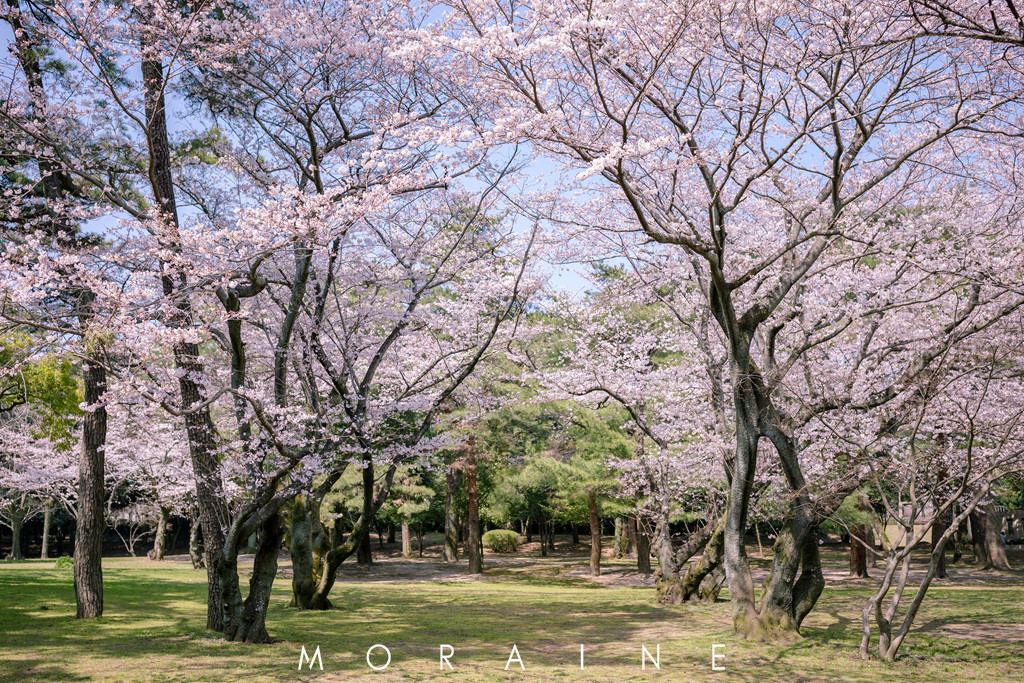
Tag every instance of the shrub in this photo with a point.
(64, 562)
(501, 541)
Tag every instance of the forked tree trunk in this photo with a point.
(595, 534)
(795, 582)
(245, 621)
(88, 562)
(476, 564)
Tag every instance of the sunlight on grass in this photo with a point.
(154, 629)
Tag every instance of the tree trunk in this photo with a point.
(17, 522)
(451, 547)
(476, 565)
(710, 561)
(406, 539)
(575, 533)
(419, 537)
(995, 550)
(306, 562)
(795, 550)
(195, 553)
(391, 532)
(246, 621)
(631, 535)
(938, 529)
(213, 511)
(364, 555)
(618, 539)
(858, 553)
(978, 524)
(89, 525)
(643, 552)
(595, 534)
(160, 539)
(737, 568)
(869, 538)
(47, 512)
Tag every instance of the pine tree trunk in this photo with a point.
(631, 535)
(476, 563)
(617, 539)
(575, 533)
(88, 562)
(406, 539)
(595, 534)
(198, 423)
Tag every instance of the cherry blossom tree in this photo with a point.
(751, 138)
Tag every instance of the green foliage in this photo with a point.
(47, 384)
(501, 541)
(64, 562)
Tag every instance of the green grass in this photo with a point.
(153, 629)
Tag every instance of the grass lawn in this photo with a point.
(153, 629)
